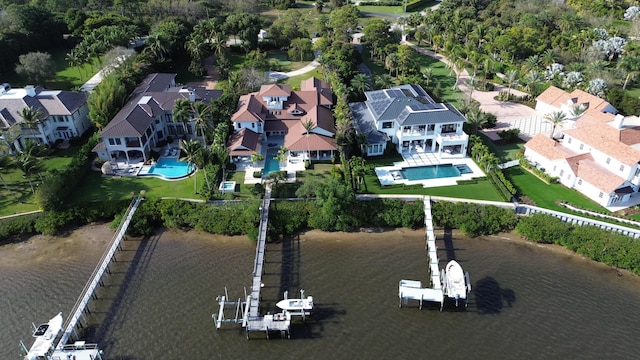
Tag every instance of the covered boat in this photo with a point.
(45, 335)
(456, 285)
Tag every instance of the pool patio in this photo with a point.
(391, 175)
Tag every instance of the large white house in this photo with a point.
(147, 119)
(598, 152)
(407, 116)
(63, 115)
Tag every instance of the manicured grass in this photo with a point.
(98, 188)
(634, 92)
(505, 152)
(444, 76)
(294, 81)
(547, 196)
(71, 77)
(395, 10)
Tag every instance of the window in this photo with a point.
(621, 167)
(449, 128)
(581, 146)
(569, 141)
(115, 141)
(600, 195)
(637, 172)
(561, 173)
(387, 125)
(253, 125)
(431, 127)
(238, 125)
(608, 160)
(580, 182)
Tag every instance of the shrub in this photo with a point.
(12, 228)
(509, 136)
(543, 228)
(257, 174)
(473, 219)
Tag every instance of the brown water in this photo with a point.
(528, 302)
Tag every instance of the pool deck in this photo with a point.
(390, 175)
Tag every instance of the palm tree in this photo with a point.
(383, 81)
(555, 117)
(391, 63)
(31, 117)
(181, 113)
(308, 126)
(201, 116)
(358, 167)
(156, 45)
(476, 118)
(472, 83)
(74, 59)
(29, 165)
(427, 74)
(191, 149)
(360, 83)
(631, 65)
(489, 160)
(548, 57)
(281, 156)
(532, 79)
(511, 78)
(255, 158)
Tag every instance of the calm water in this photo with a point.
(434, 171)
(527, 303)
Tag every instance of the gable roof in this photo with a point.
(606, 139)
(275, 90)
(244, 142)
(598, 176)
(557, 97)
(549, 148)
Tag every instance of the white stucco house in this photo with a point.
(598, 153)
(63, 115)
(407, 116)
(147, 119)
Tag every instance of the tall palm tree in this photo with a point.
(29, 165)
(308, 126)
(427, 75)
(631, 65)
(191, 149)
(472, 83)
(476, 118)
(532, 79)
(74, 59)
(201, 116)
(383, 81)
(156, 45)
(181, 113)
(555, 117)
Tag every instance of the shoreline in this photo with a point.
(95, 236)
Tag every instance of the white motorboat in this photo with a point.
(45, 335)
(296, 305)
(456, 285)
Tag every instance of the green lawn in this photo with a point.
(97, 188)
(294, 81)
(392, 10)
(505, 152)
(444, 76)
(547, 196)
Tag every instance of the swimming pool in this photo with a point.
(169, 168)
(435, 171)
(271, 164)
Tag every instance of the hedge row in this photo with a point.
(604, 246)
(380, 3)
(473, 219)
(414, 5)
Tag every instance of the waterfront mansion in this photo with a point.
(594, 151)
(278, 116)
(408, 117)
(146, 121)
(63, 115)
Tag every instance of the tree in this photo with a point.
(255, 158)
(472, 83)
(476, 118)
(360, 84)
(5, 163)
(631, 65)
(181, 113)
(308, 126)
(192, 150)
(427, 75)
(511, 78)
(359, 169)
(201, 116)
(36, 67)
(383, 81)
(301, 48)
(29, 165)
(157, 46)
(555, 117)
(319, 5)
(31, 117)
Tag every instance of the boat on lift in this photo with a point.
(457, 285)
(45, 335)
(296, 305)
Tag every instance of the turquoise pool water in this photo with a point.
(435, 171)
(170, 168)
(271, 164)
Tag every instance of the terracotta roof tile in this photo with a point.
(598, 176)
(549, 148)
(275, 90)
(604, 139)
(244, 142)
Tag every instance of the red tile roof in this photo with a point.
(598, 176)
(244, 142)
(549, 148)
(275, 90)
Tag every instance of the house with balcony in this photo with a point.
(597, 153)
(276, 116)
(146, 121)
(63, 115)
(408, 117)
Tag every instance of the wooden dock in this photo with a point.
(258, 266)
(80, 306)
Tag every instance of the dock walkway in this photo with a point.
(89, 289)
(258, 266)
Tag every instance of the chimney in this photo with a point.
(192, 95)
(618, 121)
(31, 90)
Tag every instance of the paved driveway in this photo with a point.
(509, 115)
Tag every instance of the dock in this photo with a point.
(440, 289)
(80, 350)
(247, 311)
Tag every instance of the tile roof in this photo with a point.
(244, 142)
(606, 139)
(549, 148)
(316, 143)
(275, 90)
(598, 176)
(557, 97)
